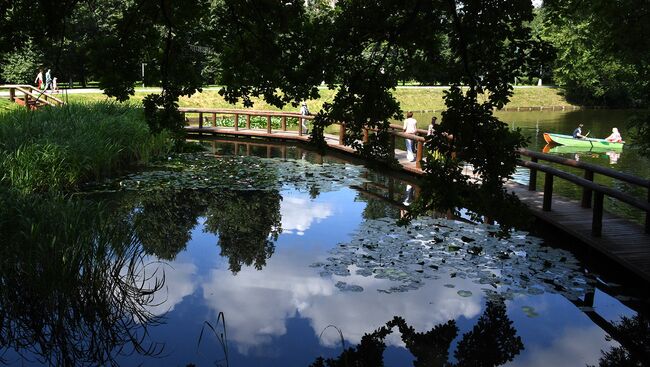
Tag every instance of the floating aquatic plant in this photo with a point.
(204, 171)
(430, 248)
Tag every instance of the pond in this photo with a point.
(599, 123)
(255, 261)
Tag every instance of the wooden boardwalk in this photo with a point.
(623, 241)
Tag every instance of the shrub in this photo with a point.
(61, 148)
(21, 66)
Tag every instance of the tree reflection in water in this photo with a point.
(73, 286)
(492, 342)
(248, 224)
(633, 334)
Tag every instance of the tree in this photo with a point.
(21, 66)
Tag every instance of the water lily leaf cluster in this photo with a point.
(200, 171)
(431, 248)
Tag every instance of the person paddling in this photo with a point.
(615, 137)
(577, 133)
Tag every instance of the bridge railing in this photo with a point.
(211, 115)
(31, 93)
(591, 191)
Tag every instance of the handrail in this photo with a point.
(31, 91)
(36, 98)
(587, 166)
(628, 199)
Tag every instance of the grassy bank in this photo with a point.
(416, 99)
(58, 149)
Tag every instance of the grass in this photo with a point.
(415, 99)
(59, 149)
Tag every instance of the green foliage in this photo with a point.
(61, 148)
(21, 65)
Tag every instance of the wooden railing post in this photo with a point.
(392, 145)
(341, 133)
(200, 120)
(586, 192)
(236, 124)
(299, 127)
(532, 180)
(248, 122)
(284, 123)
(548, 192)
(268, 124)
(365, 136)
(597, 221)
(184, 118)
(418, 156)
(214, 120)
(12, 94)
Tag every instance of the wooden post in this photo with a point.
(532, 180)
(248, 122)
(392, 145)
(184, 118)
(268, 151)
(12, 94)
(248, 149)
(200, 120)
(548, 192)
(341, 133)
(586, 192)
(236, 124)
(284, 123)
(283, 149)
(214, 119)
(268, 124)
(299, 127)
(236, 148)
(418, 156)
(365, 136)
(597, 221)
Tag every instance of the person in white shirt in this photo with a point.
(410, 127)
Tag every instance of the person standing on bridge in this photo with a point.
(39, 79)
(305, 112)
(410, 127)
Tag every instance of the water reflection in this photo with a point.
(74, 288)
(493, 341)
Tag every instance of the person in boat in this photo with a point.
(615, 136)
(577, 133)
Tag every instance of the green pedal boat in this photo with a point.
(570, 141)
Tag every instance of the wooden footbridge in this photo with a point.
(624, 241)
(30, 96)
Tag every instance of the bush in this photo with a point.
(61, 148)
(21, 66)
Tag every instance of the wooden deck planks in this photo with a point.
(622, 240)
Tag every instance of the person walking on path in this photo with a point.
(303, 122)
(48, 79)
(39, 79)
(410, 127)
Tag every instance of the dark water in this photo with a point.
(599, 123)
(259, 277)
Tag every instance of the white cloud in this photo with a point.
(574, 347)
(256, 304)
(298, 213)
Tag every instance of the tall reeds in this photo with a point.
(58, 149)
